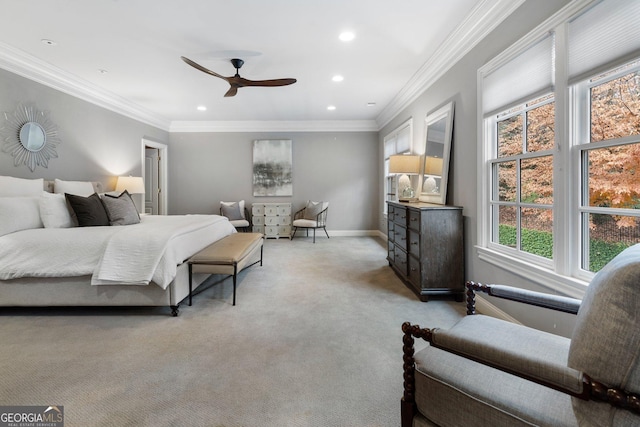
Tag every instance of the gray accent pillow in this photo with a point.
(89, 210)
(606, 340)
(312, 210)
(232, 211)
(120, 209)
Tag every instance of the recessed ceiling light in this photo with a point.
(337, 78)
(371, 104)
(202, 108)
(102, 71)
(331, 107)
(347, 36)
(48, 42)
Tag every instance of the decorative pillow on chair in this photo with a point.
(10, 186)
(312, 210)
(54, 211)
(120, 209)
(89, 210)
(232, 210)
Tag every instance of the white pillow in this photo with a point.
(54, 211)
(19, 213)
(78, 188)
(10, 186)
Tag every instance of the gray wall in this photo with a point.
(204, 168)
(459, 84)
(96, 144)
(338, 167)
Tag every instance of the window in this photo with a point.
(522, 178)
(559, 170)
(610, 165)
(396, 142)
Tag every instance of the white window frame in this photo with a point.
(492, 124)
(580, 95)
(390, 180)
(561, 275)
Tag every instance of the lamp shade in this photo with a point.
(408, 164)
(133, 184)
(433, 166)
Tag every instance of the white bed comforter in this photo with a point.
(133, 254)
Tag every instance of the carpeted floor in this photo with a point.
(314, 340)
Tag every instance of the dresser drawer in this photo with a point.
(414, 243)
(390, 230)
(414, 220)
(400, 261)
(271, 210)
(257, 209)
(400, 217)
(258, 220)
(283, 210)
(414, 271)
(284, 230)
(400, 236)
(271, 220)
(258, 228)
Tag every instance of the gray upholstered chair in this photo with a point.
(488, 372)
(237, 213)
(312, 216)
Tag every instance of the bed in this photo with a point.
(46, 260)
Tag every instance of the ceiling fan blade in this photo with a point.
(232, 91)
(266, 83)
(201, 68)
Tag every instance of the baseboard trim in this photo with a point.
(350, 233)
(485, 307)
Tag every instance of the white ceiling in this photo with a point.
(400, 46)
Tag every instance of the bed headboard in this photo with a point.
(97, 186)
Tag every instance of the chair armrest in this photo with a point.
(507, 347)
(321, 218)
(540, 299)
(299, 214)
(522, 351)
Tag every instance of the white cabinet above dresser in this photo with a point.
(272, 219)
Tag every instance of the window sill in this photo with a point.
(567, 286)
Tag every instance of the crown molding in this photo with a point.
(275, 126)
(483, 19)
(34, 69)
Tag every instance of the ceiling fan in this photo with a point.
(237, 81)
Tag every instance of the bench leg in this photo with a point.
(235, 275)
(190, 282)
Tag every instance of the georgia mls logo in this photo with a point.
(32, 416)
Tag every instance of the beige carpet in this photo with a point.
(314, 340)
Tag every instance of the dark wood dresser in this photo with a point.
(426, 248)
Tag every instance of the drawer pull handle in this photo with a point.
(414, 219)
(414, 243)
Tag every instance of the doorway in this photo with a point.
(154, 159)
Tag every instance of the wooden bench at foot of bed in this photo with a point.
(229, 255)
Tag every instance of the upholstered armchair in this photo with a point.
(488, 372)
(237, 213)
(312, 216)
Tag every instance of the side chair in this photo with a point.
(237, 213)
(312, 216)
(488, 372)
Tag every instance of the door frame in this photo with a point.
(163, 180)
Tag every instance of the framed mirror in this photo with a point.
(29, 136)
(434, 168)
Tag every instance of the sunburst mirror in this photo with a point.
(29, 136)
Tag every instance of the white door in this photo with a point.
(152, 175)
